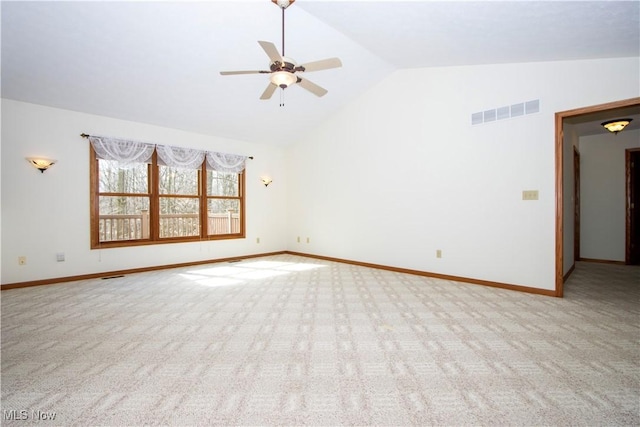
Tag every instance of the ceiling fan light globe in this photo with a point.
(283, 79)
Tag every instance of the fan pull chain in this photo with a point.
(282, 97)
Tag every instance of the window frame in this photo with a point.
(154, 195)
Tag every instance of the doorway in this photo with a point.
(632, 168)
(559, 181)
(576, 204)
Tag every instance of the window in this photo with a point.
(123, 201)
(179, 197)
(148, 202)
(224, 203)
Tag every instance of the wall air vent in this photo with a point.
(503, 113)
(517, 110)
(531, 107)
(506, 112)
(489, 116)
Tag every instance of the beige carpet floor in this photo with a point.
(287, 340)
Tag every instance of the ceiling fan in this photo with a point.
(283, 69)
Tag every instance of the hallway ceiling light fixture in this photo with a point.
(617, 125)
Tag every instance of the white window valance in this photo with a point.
(180, 157)
(129, 152)
(123, 150)
(223, 162)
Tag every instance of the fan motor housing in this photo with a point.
(289, 65)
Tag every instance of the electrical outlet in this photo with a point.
(308, 240)
(438, 253)
(60, 256)
(298, 239)
(257, 240)
(529, 194)
(22, 260)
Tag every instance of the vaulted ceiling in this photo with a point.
(159, 62)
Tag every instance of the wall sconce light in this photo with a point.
(617, 125)
(266, 180)
(40, 163)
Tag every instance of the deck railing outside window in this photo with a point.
(135, 227)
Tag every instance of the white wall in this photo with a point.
(603, 193)
(43, 214)
(389, 179)
(400, 172)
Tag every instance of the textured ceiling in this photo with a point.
(159, 62)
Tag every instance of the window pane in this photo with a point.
(178, 181)
(223, 216)
(132, 179)
(179, 216)
(222, 184)
(123, 218)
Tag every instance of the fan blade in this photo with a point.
(323, 64)
(272, 52)
(312, 87)
(232, 73)
(269, 91)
